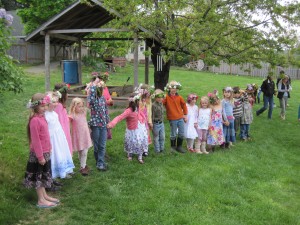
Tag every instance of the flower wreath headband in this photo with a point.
(134, 98)
(55, 96)
(64, 89)
(175, 85)
(44, 101)
(159, 95)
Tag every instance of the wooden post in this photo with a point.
(47, 62)
(136, 60)
(79, 63)
(147, 66)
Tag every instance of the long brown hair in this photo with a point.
(62, 88)
(34, 110)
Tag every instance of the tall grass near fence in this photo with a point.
(256, 182)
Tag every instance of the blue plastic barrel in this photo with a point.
(70, 71)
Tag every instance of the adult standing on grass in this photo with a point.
(283, 94)
(177, 115)
(38, 171)
(268, 88)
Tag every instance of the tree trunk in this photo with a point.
(161, 72)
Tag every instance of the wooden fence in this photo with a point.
(249, 70)
(26, 52)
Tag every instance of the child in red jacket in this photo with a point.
(176, 114)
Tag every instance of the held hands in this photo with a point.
(195, 125)
(226, 123)
(185, 118)
(108, 126)
(42, 161)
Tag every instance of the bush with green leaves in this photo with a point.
(10, 75)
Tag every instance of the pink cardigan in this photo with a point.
(39, 135)
(131, 117)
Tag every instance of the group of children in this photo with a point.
(54, 133)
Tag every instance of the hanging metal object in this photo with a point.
(159, 63)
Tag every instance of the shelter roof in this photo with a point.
(76, 16)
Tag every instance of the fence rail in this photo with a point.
(249, 70)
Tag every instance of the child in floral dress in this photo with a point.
(215, 135)
(136, 137)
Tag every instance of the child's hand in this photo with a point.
(195, 125)
(42, 161)
(108, 126)
(185, 118)
(150, 126)
(226, 123)
(110, 102)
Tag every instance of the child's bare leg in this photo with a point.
(49, 198)
(41, 198)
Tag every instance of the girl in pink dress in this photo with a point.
(62, 112)
(81, 138)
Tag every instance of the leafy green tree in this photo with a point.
(10, 74)
(235, 31)
(36, 12)
(9, 4)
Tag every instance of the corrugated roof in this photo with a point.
(76, 16)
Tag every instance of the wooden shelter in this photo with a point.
(72, 25)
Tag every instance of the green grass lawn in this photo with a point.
(256, 182)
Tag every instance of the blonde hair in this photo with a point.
(204, 98)
(73, 105)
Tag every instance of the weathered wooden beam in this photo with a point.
(109, 39)
(47, 62)
(90, 30)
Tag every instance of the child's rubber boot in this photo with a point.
(179, 147)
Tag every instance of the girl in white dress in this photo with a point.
(203, 122)
(61, 160)
(189, 127)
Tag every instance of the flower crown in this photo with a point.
(31, 104)
(159, 95)
(227, 89)
(144, 92)
(65, 88)
(104, 76)
(55, 96)
(134, 98)
(174, 84)
(191, 97)
(213, 97)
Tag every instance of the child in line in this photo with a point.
(136, 137)
(96, 78)
(61, 111)
(237, 108)
(81, 138)
(98, 121)
(246, 119)
(215, 132)
(176, 114)
(190, 132)
(38, 171)
(202, 124)
(61, 160)
(158, 121)
(145, 111)
(228, 125)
